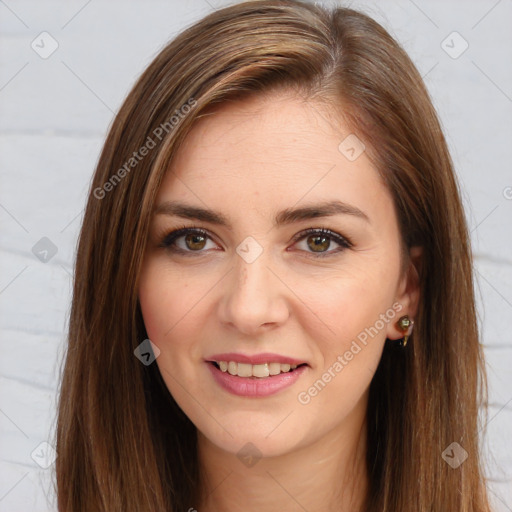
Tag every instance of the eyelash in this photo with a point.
(168, 241)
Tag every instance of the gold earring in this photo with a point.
(404, 323)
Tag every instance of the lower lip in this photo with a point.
(255, 386)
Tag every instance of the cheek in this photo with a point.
(174, 308)
(163, 310)
(151, 307)
(163, 299)
(357, 312)
(348, 303)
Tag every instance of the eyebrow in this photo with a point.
(284, 217)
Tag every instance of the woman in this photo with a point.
(273, 304)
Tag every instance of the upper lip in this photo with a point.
(266, 357)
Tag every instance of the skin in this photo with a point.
(248, 163)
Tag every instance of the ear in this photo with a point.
(408, 292)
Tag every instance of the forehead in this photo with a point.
(281, 127)
(268, 152)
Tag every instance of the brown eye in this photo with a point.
(195, 242)
(319, 243)
(186, 241)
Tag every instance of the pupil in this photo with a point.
(319, 241)
(194, 239)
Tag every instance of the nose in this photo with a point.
(254, 297)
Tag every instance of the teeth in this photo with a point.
(274, 368)
(254, 370)
(244, 370)
(258, 370)
(233, 368)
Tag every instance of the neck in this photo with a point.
(329, 476)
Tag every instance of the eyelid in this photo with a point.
(343, 242)
(340, 239)
(169, 238)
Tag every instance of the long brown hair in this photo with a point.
(123, 444)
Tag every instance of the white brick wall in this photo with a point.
(55, 113)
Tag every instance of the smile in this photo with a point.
(258, 380)
(254, 370)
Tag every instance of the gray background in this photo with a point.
(54, 114)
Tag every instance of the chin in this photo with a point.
(259, 440)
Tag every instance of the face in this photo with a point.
(287, 254)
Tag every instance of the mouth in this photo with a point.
(256, 371)
(256, 380)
